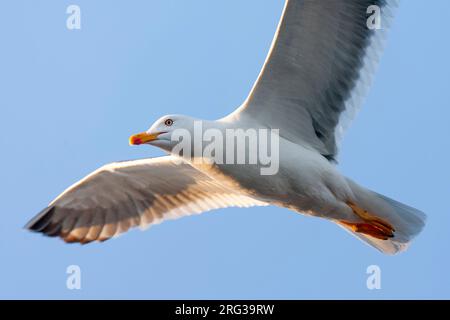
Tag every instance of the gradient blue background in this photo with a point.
(70, 99)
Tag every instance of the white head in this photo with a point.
(160, 133)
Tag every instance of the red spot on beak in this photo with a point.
(135, 140)
(142, 138)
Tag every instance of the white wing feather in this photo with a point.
(141, 193)
(318, 69)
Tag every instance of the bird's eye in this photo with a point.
(168, 122)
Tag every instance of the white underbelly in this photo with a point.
(301, 179)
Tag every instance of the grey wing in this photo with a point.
(122, 195)
(317, 70)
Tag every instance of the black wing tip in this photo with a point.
(41, 220)
(42, 223)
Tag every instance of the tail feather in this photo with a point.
(408, 222)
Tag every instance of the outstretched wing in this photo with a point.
(122, 195)
(320, 64)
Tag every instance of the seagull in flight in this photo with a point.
(318, 68)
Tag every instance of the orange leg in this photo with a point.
(372, 225)
(370, 229)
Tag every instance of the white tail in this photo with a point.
(407, 221)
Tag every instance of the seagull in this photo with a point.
(318, 69)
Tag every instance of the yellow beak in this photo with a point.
(143, 137)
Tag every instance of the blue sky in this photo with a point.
(70, 99)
